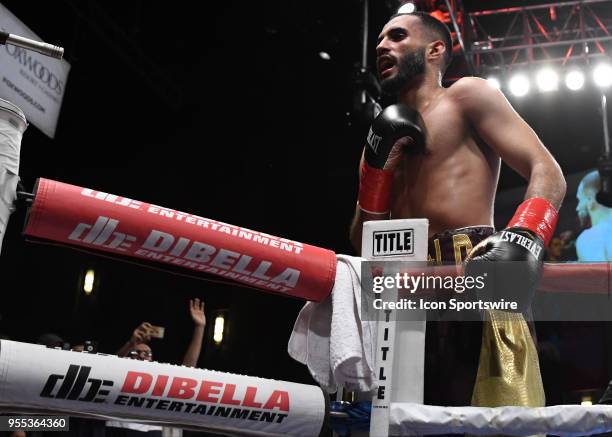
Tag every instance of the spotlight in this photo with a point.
(88, 282)
(407, 8)
(218, 329)
(519, 85)
(574, 80)
(494, 82)
(547, 80)
(603, 75)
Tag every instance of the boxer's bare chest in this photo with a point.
(453, 182)
(448, 138)
(447, 128)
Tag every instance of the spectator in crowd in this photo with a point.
(137, 348)
(51, 340)
(595, 243)
(196, 310)
(562, 247)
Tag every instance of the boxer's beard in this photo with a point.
(409, 67)
(582, 221)
(584, 218)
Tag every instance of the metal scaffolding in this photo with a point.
(561, 33)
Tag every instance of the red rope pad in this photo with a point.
(103, 222)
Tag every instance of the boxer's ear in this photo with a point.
(436, 50)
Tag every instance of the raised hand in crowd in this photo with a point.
(196, 310)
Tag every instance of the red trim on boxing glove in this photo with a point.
(538, 215)
(375, 189)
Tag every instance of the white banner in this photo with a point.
(36, 378)
(34, 82)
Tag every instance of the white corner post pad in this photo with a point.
(400, 344)
(12, 126)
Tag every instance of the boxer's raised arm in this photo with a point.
(500, 127)
(396, 127)
(359, 218)
(530, 230)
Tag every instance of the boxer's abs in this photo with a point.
(451, 185)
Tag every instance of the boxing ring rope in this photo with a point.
(561, 420)
(36, 379)
(79, 217)
(115, 225)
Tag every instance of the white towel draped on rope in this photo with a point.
(331, 338)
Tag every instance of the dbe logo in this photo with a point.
(74, 384)
(393, 243)
(102, 233)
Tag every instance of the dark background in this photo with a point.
(227, 111)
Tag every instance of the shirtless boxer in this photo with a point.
(595, 243)
(442, 163)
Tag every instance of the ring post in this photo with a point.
(12, 126)
(400, 344)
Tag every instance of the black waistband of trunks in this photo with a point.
(452, 246)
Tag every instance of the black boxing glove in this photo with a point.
(512, 258)
(395, 127)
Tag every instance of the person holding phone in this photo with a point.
(137, 346)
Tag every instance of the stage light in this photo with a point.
(519, 85)
(494, 82)
(218, 329)
(574, 80)
(602, 74)
(88, 282)
(407, 8)
(547, 80)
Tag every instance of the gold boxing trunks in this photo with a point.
(491, 363)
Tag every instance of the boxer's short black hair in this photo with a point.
(436, 30)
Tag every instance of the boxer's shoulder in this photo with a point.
(590, 236)
(476, 99)
(589, 247)
(473, 91)
(468, 85)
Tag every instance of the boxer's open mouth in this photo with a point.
(385, 64)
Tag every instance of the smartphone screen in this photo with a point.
(157, 331)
